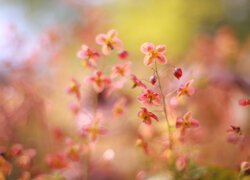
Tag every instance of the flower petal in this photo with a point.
(161, 58)
(101, 38)
(161, 48)
(148, 60)
(146, 47)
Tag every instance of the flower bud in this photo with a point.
(177, 72)
(153, 79)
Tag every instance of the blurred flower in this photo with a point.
(122, 54)
(140, 142)
(99, 80)
(16, 149)
(57, 132)
(89, 55)
(153, 79)
(74, 88)
(149, 97)
(119, 107)
(153, 53)
(141, 175)
(187, 121)
(74, 107)
(93, 129)
(186, 89)
(24, 160)
(121, 69)
(177, 72)
(108, 41)
(244, 166)
(56, 161)
(146, 116)
(180, 162)
(244, 102)
(5, 166)
(235, 135)
(137, 82)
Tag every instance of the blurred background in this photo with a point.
(209, 40)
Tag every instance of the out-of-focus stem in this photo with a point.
(164, 106)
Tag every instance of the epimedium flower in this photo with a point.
(147, 116)
(186, 122)
(108, 41)
(119, 107)
(89, 55)
(140, 142)
(153, 79)
(136, 81)
(235, 135)
(153, 52)
(122, 54)
(180, 162)
(244, 102)
(74, 88)
(149, 97)
(177, 72)
(56, 161)
(186, 89)
(121, 69)
(98, 80)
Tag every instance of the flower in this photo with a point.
(56, 161)
(89, 55)
(186, 122)
(74, 88)
(177, 72)
(140, 142)
(149, 97)
(119, 107)
(99, 80)
(186, 89)
(244, 102)
(16, 149)
(122, 54)
(153, 53)
(180, 162)
(244, 166)
(121, 69)
(146, 115)
(93, 129)
(235, 135)
(108, 41)
(136, 81)
(153, 79)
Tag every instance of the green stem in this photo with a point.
(164, 106)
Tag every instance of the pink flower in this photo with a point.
(119, 107)
(136, 81)
(74, 88)
(140, 142)
(180, 162)
(146, 116)
(186, 122)
(149, 97)
(153, 53)
(56, 161)
(122, 54)
(177, 72)
(244, 166)
(153, 79)
(89, 55)
(186, 89)
(235, 135)
(108, 41)
(121, 69)
(16, 149)
(93, 129)
(244, 102)
(99, 80)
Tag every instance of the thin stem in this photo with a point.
(164, 106)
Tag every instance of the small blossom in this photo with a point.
(74, 107)
(108, 41)
(121, 69)
(122, 54)
(244, 166)
(153, 79)
(244, 102)
(187, 121)
(177, 72)
(16, 149)
(24, 160)
(99, 80)
(140, 142)
(235, 135)
(148, 97)
(89, 55)
(119, 107)
(141, 175)
(146, 116)
(74, 88)
(180, 162)
(56, 161)
(186, 89)
(93, 129)
(153, 53)
(57, 132)
(137, 82)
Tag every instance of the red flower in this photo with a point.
(153, 79)
(136, 81)
(149, 97)
(122, 54)
(186, 89)
(186, 122)
(244, 102)
(99, 80)
(177, 72)
(146, 116)
(153, 53)
(89, 55)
